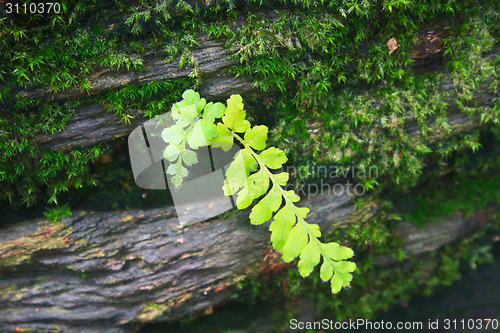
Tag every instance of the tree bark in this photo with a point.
(92, 124)
(113, 271)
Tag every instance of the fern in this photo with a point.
(194, 128)
(250, 177)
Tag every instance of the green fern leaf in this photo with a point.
(281, 178)
(189, 157)
(224, 139)
(249, 176)
(213, 111)
(257, 184)
(256, 137)
(238, 172)
(190, 97)
(234, 117)
(172, 134)
(188, 113)
(281, 226)
(263, 210)
(197, 137)
(290, 233)
(296, 241)
(172, 152)
(273, 158)
(309, 258)
(194, 128)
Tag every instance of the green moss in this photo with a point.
(146, 100)
(29, 173)
(321, 58)
(318, 54)
(150, 311)
(465, 196)
(457, 186)
(59, 52)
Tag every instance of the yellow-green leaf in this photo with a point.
(256, 137)
(213, 111)
(234, 117)
(309, 258)
(338, 252)
(273, 158)
(297, 240)
(264, 209)
(224, 139)
(281, 226)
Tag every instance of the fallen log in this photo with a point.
(113, 271)
(92, 124)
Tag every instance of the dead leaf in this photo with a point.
(392, 44)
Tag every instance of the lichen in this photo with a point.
(47, 236)
(150, 311)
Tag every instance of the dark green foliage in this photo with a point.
(320, 60)
(58, 52)
(149, 99)
(459, 186)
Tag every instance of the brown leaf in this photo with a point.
(392, 44)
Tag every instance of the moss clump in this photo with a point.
(56, 52)
(320, 59)
(458, 185)
(146, 100)
(466, 195)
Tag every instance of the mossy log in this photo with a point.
(114, 271)
(92, 124)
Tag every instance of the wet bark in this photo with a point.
(114, 271)
(92, 124)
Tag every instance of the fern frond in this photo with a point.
(249, 176)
